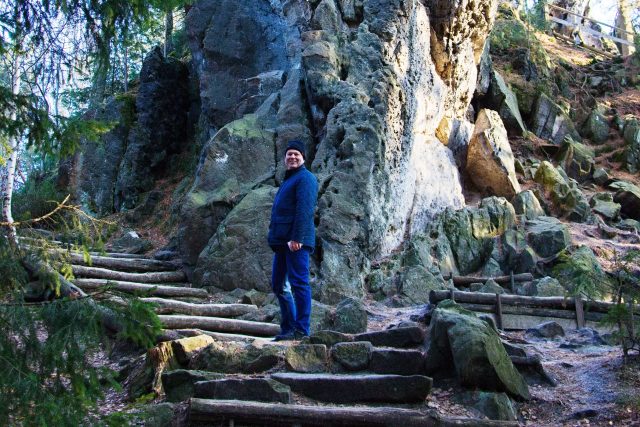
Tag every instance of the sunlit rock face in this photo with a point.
(367, 85)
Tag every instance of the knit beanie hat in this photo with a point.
(296, 145)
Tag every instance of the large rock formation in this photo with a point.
(365, 84)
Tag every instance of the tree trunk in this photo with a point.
(216, 324)
(467, 280)
(126, 67)
(168, 32)
(14, 146)
(152, 277)
(145, 288)
(623, 22)
(168, 306)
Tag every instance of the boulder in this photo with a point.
(307, 358)
(350, 316)
(223, 263)
(352, 356)
(563, 192)
(548, 329)
(254, 389)
(600, 176)
(504, 101)
(179, 384)
(628, 195)
(603, 204)
(471, 252)
(549, 121)
(485, 72)
(547, 287)
(632, 139)
(525, 203)
(547, 235)
(462, 341)
(596, 127)
(495, 406)
(235, 160)
(416, 282)
(582, 270)
(489, 156)
(576, 159)
(491, 287)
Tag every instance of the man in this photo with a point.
(292, 237)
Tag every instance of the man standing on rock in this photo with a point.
(292, 237)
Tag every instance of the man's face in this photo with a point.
(293, 159)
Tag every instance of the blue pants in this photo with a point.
(290, 283)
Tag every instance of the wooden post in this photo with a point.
(452, 295)
(579, 312)
(513, 282)
(499, 311)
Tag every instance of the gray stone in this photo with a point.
(547, 236)
(470, 251)
(416, 282)
(577, 159)
(178, 384)
(223, 262)
(360, 388)
(400, 362)
(495, 406)
(129, 242)
(485, 68)
(550, 122)
(505, 102)
(234, 357)
(596, 127)
(632, 139)
(353, 356)
(398, 337)
(547, 287)
(630, 224)
(525, 203)
(350, 317)
(492, 287)
(603, 204)
(254, 389)
(492, 268)
(157, 415)
(329, 338)
(489, 157)
(628, 195)
(462, 341)
(307, 358)
(548, 329)
(600, 176)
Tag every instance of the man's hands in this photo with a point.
(294, 246)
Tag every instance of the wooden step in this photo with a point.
(148, 288)
(170, 306)
(124, 264)
(358, 388)
(152, 277)
(204, 412)
(216, 324)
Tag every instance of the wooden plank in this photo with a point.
(531, 311)
(467, 280)
(579, 312)
(499, 311)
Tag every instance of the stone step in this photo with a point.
(398, 337)
(396, 361)
(123, 264)
(253, 389)
(216, 324)
(149, 277)
(358, 388)
(206, 412)
(160, 290)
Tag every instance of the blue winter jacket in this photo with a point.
(293, 208)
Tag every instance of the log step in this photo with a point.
(153, 277)
(124, 264)
(202, 412)
(358, 388)
(221, 336)
(169, 306)
(215, 324)
(152, 289)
